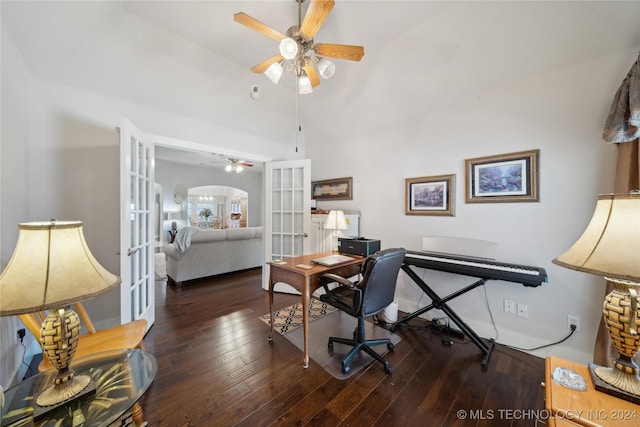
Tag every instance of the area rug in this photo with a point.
(338, 324)
(289, 318)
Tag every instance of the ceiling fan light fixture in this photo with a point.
(228, 168)
(304, 85)
(274, 72)
(288, 48)
(297, 48)
(326, 68)
(239, 169)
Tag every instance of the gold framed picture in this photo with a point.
(430, 195)
(511, 177)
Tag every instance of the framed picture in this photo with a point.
(332, 189)
(430, 195)
(509, 177)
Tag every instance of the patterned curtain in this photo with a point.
(622, 128)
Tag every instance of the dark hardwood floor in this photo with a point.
(216, 368)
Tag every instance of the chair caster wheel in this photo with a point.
(345, 369)
(390, 346)
(388, 369)
(330, 345)
(392, 328)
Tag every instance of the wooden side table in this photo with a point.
(590, 408)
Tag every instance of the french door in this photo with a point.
(137, 193)
(287, 213)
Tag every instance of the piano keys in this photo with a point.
(477, 267)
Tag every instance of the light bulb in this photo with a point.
(274, 72)
(239, 169)
(326, 68)
(228, 168)
(304, 85)
(288, 48)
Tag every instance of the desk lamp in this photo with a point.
(610, 247)
(51, 268)
(335, 221)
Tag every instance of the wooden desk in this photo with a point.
(584, 408)
(306, 282)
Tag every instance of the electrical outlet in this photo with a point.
(573, 320)
(523, 310)
(509, 306)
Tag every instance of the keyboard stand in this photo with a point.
(441, 304)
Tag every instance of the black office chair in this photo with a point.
(365, 298)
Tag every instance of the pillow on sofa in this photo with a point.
(240, 233)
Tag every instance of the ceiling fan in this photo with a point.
(233, 165)
(298, 51)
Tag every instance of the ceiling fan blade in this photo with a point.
(262, 67)
(310, 70)
(339, 51)
(254, 24)
(316, 14)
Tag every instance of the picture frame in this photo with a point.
(511, 177)
(430, 195)
(332, 189)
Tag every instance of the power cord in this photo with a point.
(493, 322)
(24, 353)
(573, 329)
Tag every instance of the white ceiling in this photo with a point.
(191, 58)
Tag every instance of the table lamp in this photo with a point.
(335, 221)
(174, 217)
(51, 268)
(610, 247)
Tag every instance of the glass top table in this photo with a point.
(121, 377)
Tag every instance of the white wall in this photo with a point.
(560, 112)
(14, 169)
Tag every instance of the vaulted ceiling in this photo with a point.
(191, 58)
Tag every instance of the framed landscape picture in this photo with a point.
(430, 195)
(509, 177)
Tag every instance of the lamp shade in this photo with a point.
(288, 48)
(304, 85)
(274, 72)
(326, 68)
(336, 221)
(610, 246)
(51, 267)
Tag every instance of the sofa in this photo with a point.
(211, 252)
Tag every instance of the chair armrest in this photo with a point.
(327, 278)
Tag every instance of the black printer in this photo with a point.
(358, 246)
